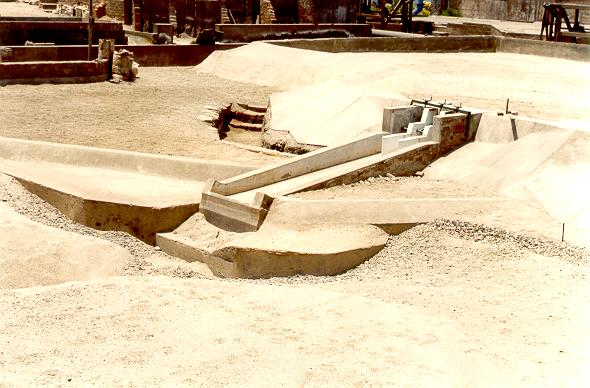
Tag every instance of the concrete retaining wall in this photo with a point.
(476, 43)
(167, 166)
(142, 222)
(146, 55)
(191, 55)
(16, 33)
(244, 32)
(53, 72)
(39, 19)
(403, 162)
(575, 52)
(411, 44)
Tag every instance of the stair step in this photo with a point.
(257, 127)
(248, 116)
(254, 108)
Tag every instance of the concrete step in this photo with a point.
(247, 116)
(248, 126)
(253, 108)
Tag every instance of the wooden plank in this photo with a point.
(575, 6)
(575, 34)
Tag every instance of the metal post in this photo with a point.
(90, 21)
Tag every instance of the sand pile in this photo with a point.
(477, 80)
(551, 167)
(32, 254)
(344, 112)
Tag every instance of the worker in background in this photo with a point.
(419, 6)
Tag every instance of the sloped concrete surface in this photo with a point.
(112, 190)
(32, 254)
(320, 249)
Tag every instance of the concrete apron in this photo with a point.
(274, 250)
(140, 194)
(311, 237)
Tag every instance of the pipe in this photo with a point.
(395, 34)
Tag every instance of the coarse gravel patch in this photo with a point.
(426, 248)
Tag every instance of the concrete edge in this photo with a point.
(300, 165)
(234, 261)
(185, 249)
(142, 222)
(263, 264)
(465, 43)
(159, 165)
(571, 51)
(53, 80)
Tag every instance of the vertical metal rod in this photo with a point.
(562, 230)
(507, 100)
(90, 20)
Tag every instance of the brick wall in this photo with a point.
(115, 9)
(452, 131)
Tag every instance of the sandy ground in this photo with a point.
(434, 308)
(132, 116)
(444, 304)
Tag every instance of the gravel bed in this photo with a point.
(429, 248)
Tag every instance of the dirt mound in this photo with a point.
(32, 254)
(335, 112)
